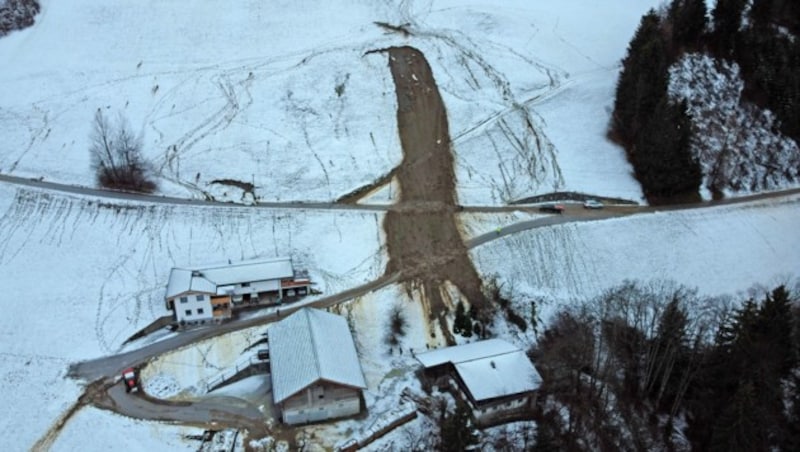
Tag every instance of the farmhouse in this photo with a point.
(208, 294)
(314, 365)
(495, 378)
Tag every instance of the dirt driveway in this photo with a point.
(422, 237)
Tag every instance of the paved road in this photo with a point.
(212, 412)
(111, 366)
(140, 197)
(218, 411)
(232, 412)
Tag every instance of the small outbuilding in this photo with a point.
(315, 370)
(495, 378)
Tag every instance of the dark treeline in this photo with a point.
(768, 52)
(17, 14)
(658, 368)
(653, 130)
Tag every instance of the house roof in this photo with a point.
(499, 376)
(489, 369)
(181, 281)
(207, 278)
(466, 352)
(248, 271)
(308, 346)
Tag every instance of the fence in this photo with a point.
(385, 424)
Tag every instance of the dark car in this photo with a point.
(131, 379)
(552, 208)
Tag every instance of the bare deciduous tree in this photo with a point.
(116, 156)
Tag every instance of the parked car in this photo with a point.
(552, 208)
(130, 377)
(592, 204)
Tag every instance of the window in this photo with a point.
(245, 284)
(200, 298)
(188, 312)
(184, 299)
(199, 311)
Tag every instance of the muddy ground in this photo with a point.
(423, 240)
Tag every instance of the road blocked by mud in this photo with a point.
(423, 240)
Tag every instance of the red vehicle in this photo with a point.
(131, 379)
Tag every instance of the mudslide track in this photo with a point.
(422, 237)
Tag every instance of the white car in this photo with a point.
(592, 204)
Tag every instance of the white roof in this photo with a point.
(308, 346)
(182, 281)
(466, 352)
(249, 271)
(206, 279)
(499, 376)
(489, 369)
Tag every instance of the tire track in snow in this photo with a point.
(541, 153)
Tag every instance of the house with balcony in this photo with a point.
(211, 293)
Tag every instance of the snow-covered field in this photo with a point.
(85, 275)
(720, 250)
(280, 94)
(529, 88)
(284, 97)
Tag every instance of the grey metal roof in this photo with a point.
(309, 346)
(207, 278)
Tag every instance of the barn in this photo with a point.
(315, 370)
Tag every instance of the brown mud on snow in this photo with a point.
(423, 240)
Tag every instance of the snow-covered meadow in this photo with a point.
(284, 96)
(84, 275)
(720, 251)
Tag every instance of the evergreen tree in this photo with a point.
(774, 325)
(662, 158)
(792, 437)
(688, 19)
(643, 80)
(459, 320)
(457, 431)
(462, 324)
(546, 435)
(535, 318)
(727, 15)
(740, 427)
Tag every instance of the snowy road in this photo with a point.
(129, 196)
(110, 366)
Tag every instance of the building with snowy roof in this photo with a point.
(210, 292)
(315, 370)
(495, 378)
